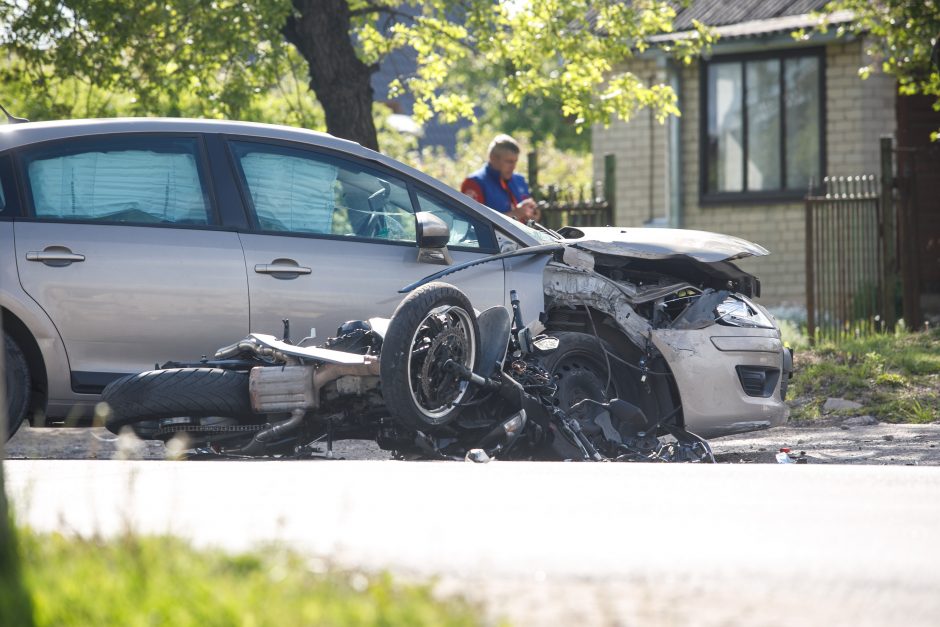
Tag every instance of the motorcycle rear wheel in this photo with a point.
(434, 324)
(192, 392)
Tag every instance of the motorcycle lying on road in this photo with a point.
(435, 381)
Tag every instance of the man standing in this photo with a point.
(495, 184)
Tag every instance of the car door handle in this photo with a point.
(281, 267)
(54, 256)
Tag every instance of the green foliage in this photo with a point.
(896, 376)
(214, 59)
(217, 53)
(793, 334)
(900, 35)
(287, 99)
(567, 168)
(562, 51)
(164, 581)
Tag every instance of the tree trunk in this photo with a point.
(319, 30)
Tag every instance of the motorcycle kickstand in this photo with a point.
(329, 438)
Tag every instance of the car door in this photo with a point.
(121, 249)
(335, 240)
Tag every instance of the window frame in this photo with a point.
(706, 197)
(87, 143)
(379, 169)
(11, 196)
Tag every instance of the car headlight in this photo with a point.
(738, 311)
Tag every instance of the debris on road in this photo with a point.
(837, 404)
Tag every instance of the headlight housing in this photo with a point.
(738, 311)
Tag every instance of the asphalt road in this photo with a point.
(550, 543)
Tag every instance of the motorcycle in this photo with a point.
(435, 381)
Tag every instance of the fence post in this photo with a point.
(810, 270)
(533, 161)
(610, 186)
(888, 231)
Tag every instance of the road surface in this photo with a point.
(550, 543)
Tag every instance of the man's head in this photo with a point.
(504, 155)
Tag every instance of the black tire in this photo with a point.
(437, 318)
(17, 382)
(580, 370)
(193, 392)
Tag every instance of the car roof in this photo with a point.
(23, 134)
(14, 135)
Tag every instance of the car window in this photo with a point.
(464, 230)
(299, 191)
(147, 180)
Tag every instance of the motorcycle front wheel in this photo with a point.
(433, 325)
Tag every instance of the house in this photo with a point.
(763, 116)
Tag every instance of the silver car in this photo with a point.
(126, 243)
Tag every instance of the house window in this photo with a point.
(763, 131)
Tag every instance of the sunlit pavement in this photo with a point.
(846, 544)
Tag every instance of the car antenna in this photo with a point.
(12, 119)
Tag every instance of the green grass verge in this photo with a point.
(896, 377)
(164, 581)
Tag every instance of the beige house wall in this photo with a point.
(857, 113)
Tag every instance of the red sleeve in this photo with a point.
(472, 189)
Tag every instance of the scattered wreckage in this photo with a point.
(435, 381)
(634, 352)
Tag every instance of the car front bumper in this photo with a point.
(730, 379)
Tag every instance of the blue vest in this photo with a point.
(494, 195)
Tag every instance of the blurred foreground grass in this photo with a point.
(895, 376)
(150, 581)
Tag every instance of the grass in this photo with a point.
(895, 376)
(163, 581)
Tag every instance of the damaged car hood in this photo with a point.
(653, 243)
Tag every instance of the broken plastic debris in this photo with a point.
(477, 455)
(784, 457)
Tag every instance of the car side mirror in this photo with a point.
(432, 235)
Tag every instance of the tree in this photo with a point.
(901, 36)
(565, 51)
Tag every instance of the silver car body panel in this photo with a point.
(713, 402)
(348, 280)
(649, 243)
(158, 313)
(51, 346)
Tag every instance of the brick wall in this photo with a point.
(641, 149)
(857, 114)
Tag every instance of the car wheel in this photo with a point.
(192, 392)
(17, 384)
(433, 325)
(580, 370)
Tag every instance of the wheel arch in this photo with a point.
(21, 334)
(591, 321)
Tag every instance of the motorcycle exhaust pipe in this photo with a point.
(277, 431)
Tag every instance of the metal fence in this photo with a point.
(560, 208)
(565, 206)
(845, 251)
